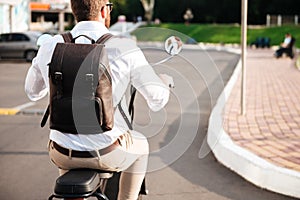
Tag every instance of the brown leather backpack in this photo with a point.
(80, 87)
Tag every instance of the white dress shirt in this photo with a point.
(287, 41)
(128, 66)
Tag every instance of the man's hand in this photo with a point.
(168, 80)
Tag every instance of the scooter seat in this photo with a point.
(80, 181)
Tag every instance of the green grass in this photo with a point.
(218, 33)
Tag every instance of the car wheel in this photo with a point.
(29, 55)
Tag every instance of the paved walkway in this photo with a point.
(266, 139)
(271, 126)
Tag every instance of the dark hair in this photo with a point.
(84, 10)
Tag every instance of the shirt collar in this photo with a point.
(86, 26)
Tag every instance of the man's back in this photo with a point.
(128, 66)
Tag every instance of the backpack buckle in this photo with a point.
(58, 81)
(58, 76)
(89, 77)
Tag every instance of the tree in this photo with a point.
(204, 11)
(148, 7)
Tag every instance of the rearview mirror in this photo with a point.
(173, 45)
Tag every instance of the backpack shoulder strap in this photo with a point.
(124, 116)
(104, 38)
(67, 36)
(45, 117)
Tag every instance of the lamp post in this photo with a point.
(244, 53)
(188, 16)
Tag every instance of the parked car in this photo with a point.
(19, 45)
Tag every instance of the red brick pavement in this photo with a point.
(271, 126)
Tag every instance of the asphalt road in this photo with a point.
(176, 134)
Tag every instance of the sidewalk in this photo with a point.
(263, 146)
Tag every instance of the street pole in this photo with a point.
(244, 53)
(11, 20)
(61, 21)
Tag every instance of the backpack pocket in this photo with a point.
(76, 115)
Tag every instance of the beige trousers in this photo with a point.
(131, 158)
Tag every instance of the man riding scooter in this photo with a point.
(119, 149)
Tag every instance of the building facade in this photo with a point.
(14, 15)
(40, 15)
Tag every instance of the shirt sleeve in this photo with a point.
(35, 86)
(37, 81)
(147, 82)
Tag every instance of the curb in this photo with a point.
(245, 163)
(15, 110)
(8, 111)
(298, 63)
